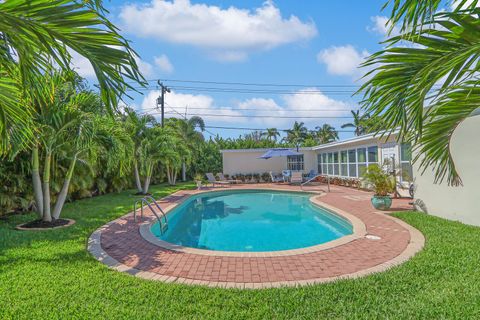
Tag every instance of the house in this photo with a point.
(347, 158)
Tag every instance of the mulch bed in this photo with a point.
(44, 225)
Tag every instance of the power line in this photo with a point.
(259, 129)
(268, 116)
(255, 84)
(251, 91)
(254, 109)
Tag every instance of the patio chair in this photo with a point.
(221, 177)
(312, 174)
(276, 178)
(213, 181)
(297, 177)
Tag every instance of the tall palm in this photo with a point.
(357, 123)
(63, 129)
(189, 135)
(297, 134)
(137, 125)
(325, 134)
(36, 34)
(426, 80)
(271, 134)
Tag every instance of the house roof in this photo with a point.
(363, 138)
(261, 150)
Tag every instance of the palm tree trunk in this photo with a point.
(137, 177)
(184, 172)
(148, 177)
(37, 182)
(46, 188)
(64, 192)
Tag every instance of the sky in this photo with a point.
(309, 50)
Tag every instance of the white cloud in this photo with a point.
(81, 65)
(342, 60)
(454, 4)
(163, 63)
(230, 33)
(380, 26)
(145, 68)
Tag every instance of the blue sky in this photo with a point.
(315, 43)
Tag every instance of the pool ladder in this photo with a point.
(160, 215)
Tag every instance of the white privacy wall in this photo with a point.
(455, 203)
(246, 161)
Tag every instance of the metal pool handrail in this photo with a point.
(311, 179)
(148, 200)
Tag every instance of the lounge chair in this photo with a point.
(312, 174)
(213, 181)
(297, 177)
(221, 177)
(276, 178)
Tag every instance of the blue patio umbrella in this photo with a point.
(279, 152)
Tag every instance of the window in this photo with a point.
(319, 163)
(343, 163)
(406, 162)
(335, 164)
(295, 163)
(324, 163)
(330, 163)
(361, 160)
(372, 155)
(352, 163)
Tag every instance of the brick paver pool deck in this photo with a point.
(121, 246)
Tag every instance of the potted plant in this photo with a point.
(198, 179)
(382, 184)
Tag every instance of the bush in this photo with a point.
(381, 182)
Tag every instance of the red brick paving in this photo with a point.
(123, 242)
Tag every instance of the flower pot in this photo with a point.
(381, 202)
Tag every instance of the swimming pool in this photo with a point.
(252, 221)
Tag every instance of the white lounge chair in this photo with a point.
(213, 181)
(276, 178)
(297, 177)
(221, 177)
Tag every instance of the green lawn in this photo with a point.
(50, 275)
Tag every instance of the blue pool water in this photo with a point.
(251, 221)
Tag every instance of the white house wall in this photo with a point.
(246, 161)
(455, 203)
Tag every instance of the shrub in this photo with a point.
(381, 182)
(266, 177)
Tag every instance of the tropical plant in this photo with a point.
(271, 134)
(297, 134)
(425, 82)
(63, 130)
(36, 34)
(137, 125)
(325, 134)
(357, 123)
(380, 181)
(190, 137)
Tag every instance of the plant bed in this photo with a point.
(44, 225)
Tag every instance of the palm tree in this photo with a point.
(425, 82)
(36, 34)
(325, 134)
(137, 125)
(63, 129)
(297, 134)
(271, 134)
(358, 122)
(190, 137)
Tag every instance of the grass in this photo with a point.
(50, 275)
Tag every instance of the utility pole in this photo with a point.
(161, 100)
